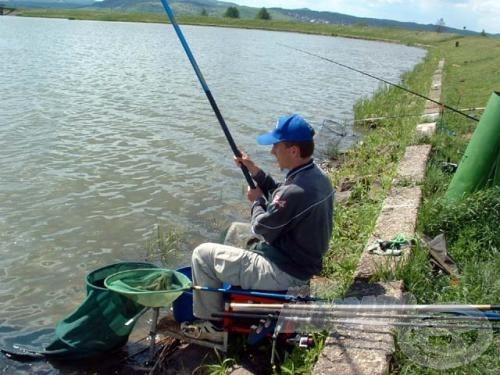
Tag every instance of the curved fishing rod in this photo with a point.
(209, 95)
(383, 80)
(257, 293)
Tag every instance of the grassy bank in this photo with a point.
(354, 31)
(372, 166)
(471, 226)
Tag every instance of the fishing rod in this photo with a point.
(402, 317)
(363, 320)
(411, 115)
(427, 324)
(281, 296)
(207, 91)
(343, 310)
(383, 80)
(286, 307)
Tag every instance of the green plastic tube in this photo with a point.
(479, 166)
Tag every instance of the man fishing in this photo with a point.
(294, 218)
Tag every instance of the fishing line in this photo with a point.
(383, 80)
(207, 91)
(387, 117)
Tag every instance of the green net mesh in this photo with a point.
(149, 287)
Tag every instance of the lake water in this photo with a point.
(105, 133)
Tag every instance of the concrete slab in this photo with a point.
(360, 349)
(427, 129)
(354, 352)
(398, 216)
(431, 107)
(431, 116)
(395, 212)
(413, 165)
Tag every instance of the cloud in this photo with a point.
(474, 14)
(487, 13)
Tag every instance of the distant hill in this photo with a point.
(308, 15)
(181, 8)
(217, 9)
(213, 8)
(66, 4)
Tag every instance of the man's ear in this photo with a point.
(296, 151)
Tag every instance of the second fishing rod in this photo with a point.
(383, 80)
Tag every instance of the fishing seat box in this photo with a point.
(183, 306)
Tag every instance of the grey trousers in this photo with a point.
(213, 264)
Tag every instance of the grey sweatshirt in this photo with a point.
(296, 219)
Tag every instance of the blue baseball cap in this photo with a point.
(288, 128)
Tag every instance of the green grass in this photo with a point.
(373, 164)
(164, 247)
(302, 360)
(104, 15)
(471, 226)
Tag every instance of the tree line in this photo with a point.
(233, 12)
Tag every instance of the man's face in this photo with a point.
(283, 154)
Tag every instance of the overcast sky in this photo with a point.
(476, 15)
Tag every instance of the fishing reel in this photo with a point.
(302, 341)
(264, 328)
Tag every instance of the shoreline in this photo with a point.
(387, 35)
